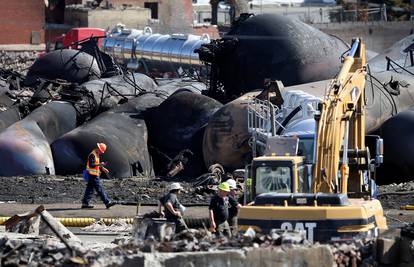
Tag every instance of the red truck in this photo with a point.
(78, 34)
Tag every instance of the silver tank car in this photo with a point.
(149, 52)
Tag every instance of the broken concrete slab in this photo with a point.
(317, 256)
(144, 227)
(41, 222)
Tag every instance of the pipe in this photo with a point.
(86, 221)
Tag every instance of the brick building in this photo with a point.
(172, 15)
(153, 5)
(22, 21)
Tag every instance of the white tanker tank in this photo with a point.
(144, 51)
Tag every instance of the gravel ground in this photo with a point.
(17, 60)
(393, 196)
(70, 189)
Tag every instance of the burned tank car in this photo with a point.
(271, 46)
(109, 92)
(25, 145)
(8, 117)
(226, 137)
(178, 124)
(122, 129)
(398, 133)
(66, 64)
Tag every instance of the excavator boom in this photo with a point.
(341, 127)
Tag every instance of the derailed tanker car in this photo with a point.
(226, 139)
(269, 46)
(177, 126)
(395, 67)
(121, 126)
(80, 67)
(25, 145)
(156, 54)
(122, 129)
(66, 64)
(109, 92)
(86, 101)
(398, 57)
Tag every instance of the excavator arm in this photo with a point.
(341, 128)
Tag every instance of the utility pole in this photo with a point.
(214, 11)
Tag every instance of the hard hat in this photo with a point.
(175, 186)
(232, 183)
(224, 187)
(101, 147)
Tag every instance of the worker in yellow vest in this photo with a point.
(93, 171)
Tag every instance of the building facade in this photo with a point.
(22, 21)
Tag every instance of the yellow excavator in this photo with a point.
(336, 201)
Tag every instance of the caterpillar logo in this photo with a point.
(308, 227)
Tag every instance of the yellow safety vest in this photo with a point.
(93, 170)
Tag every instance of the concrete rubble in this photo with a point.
(17, 60)
(211, 251)
(199, 248)
(119, 225)
(194, 247)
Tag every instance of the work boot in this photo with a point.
(110, 204)
(87, 206)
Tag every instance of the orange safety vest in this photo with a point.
(93, 170)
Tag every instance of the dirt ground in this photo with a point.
(395, 195)
(70, 189)
(63, 195)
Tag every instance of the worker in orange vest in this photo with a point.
(93, 170)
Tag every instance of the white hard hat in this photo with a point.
(232, 183)
(175, 186)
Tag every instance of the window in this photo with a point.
(154, 9)
(273, 179)
(58, 45)
(303, 183)
(305, 149)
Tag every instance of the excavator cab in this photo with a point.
(279, 175)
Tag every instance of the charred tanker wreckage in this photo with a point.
(72, 99)
(244, 58)
(170, 126)
(269, 47)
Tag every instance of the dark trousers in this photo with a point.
(180, 224)
(94, 184)
(223, 229)
(233, 224)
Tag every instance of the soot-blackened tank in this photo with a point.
(276, 47)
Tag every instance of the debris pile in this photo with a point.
(357, 253)
(46, 250)
(38, 252)
(18, 61)
(120, 225)
(203, 240)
